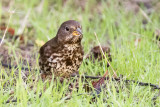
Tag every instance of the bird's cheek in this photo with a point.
(68, 38)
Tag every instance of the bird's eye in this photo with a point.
(67, 29)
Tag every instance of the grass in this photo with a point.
(112, 23)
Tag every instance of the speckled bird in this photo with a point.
(63, 54)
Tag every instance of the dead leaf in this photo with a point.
(10, 30)
(40, 42)
(97, 84)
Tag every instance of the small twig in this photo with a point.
(139, 83)
(10, 67)
(104, 55)
(11, 12)
(8, 101)
(87, 77)
(118, 79)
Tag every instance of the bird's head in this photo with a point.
(70, 32)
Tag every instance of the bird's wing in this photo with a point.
(49, 47)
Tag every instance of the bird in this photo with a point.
(63, 54)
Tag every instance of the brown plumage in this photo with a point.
(63, 55)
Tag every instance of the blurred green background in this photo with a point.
(128, 27)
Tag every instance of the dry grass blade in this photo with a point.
(11, 12)
(39, 8)
(21, 29)
(115, 75)
(145, 15)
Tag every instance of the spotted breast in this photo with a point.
(64, 62)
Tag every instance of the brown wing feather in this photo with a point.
(49, 47)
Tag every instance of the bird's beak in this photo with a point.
(77, 32)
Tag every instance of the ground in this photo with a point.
(128, 27)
